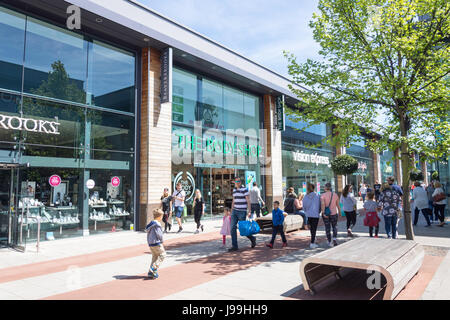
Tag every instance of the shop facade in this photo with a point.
(215, 138)
(67, 131)
(306, 158)
(366, 173)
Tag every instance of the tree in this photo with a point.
(386, 58)
(344, 165)
(416, 175)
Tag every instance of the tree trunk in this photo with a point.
(405, 185)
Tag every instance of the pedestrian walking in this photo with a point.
(430, 190)
(155, 243)
(199, 210)
(240, 211)
(277, 224)
(363, 192)
(298, 207)
(371, 212)
(377, 189)
(256, 201)
(178, 197)
(289, 207)
(439, 201)
(421, 204)
(329, 207)
(389, 203)
(396, 187)
(226, 226)
(311, 206)
(349, 206)
(166, 200)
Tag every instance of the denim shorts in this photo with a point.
(179, 211)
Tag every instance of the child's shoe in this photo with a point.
(155, 273)
(313, 246)
(269, 245)
(284, 244)
(151, 274)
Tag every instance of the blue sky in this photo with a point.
(257, 29)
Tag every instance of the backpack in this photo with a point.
(289, 205)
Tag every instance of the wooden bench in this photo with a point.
(291, 222)
(397, 260)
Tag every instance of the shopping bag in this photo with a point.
(264, 211)
(248, 228)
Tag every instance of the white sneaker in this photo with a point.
(196, 231)
(313, 246)
(330, 244)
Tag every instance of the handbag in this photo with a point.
(327, 211)
(439, 197)
(264, 211)
(248, 228)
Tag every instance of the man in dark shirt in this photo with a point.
(377, 188)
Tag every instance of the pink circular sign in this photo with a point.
(115, 181)
(54, 180)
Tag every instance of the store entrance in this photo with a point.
(316, 178)
(12, 216)
(217, 186)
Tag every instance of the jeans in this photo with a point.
(426, 213)
(331, 222)
(256, 208)
(197, 218)
(303, 215)
(363, 196)
(390, 223)
(313, 222)
(236, 216)
(439, 210)
(275, 231)
(351, 219)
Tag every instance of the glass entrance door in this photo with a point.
(13, 214)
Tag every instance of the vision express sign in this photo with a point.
(31, 125)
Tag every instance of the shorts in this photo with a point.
(179, 211)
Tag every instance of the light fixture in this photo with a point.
(184, 55)
(99, 20)
(146, 39)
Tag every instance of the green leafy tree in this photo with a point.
(384, 59)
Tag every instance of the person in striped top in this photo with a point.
(240, 210)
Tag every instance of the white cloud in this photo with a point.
(258, 29)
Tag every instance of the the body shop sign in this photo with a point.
(30, 125)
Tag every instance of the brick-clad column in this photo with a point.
(156, 135)
(273, 169)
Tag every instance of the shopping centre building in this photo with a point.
(97, 119)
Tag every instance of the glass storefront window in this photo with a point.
(184, 97)
(12, 37)
(108, 87)
(387, 163)
(57, 73)
(52, 128)
(53, 123)
(9, 107)
(212, 108)
(111, 131)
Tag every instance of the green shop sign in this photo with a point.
(196, 143)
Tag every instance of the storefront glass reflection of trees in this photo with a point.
(94, 104)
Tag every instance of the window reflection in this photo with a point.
(60, 72)
(111, 77)
(12, 37)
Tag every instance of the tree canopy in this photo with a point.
(385, 68)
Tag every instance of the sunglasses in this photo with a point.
(238, 181)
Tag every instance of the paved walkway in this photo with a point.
(114, 266)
